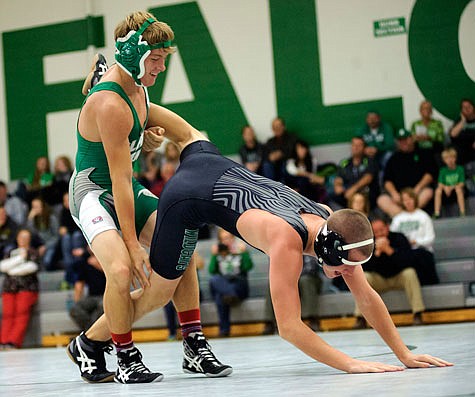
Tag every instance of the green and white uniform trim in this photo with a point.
(90, 188)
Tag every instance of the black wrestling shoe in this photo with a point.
(198, 358)
(88, 355)
(131, 369)
(98, 68)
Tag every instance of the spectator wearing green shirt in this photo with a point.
(39, 180)
(428, 132)
(228, 283)
(379, 138)
(451, 179)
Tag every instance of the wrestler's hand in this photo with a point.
(153, 138)
(360, 367)
(140, 261)
(423, 361)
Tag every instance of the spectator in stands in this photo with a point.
(251, 151)
(8, 231)
(300, 174)
(360, 202)
(150, 169)
(378, 137)
(462, 133)
(40, 179)
(228, 283)
(87, 307)
(277, 150)
(310, 285)
(428, 133)
(413, 222)
(43, 222)
(167, 170)
(20, 290)
(235, 245)
(418, 228)
(407, 167)
(451, 182)
(62, 172)
(357, 173)
(15, 207)
(171, 155)
(72, 242)
(390, 269)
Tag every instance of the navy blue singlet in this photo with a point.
(211, 189)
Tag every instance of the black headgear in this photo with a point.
(332, 250)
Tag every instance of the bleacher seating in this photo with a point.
(455, 258)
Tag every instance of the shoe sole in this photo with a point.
(107, 379)
(87, 82)
(223, 373)
(157, 379)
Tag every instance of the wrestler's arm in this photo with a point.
(283, 245)
(175, 127)
(114, 123)
(375, 312)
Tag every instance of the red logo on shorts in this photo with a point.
(97, 219)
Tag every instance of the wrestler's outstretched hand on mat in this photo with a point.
(412, 360)
(359, 367)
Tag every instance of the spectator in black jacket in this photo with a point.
(407, 167)
(87, 307)
(277, 150)
(390, 269)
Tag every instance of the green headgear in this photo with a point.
(131, 51)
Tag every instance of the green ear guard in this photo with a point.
(131, 51)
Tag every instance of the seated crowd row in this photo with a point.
(390, 177)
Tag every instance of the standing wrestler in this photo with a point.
(106, 199)
(211, 189)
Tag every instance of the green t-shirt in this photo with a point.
(435, 130)
(450, 177)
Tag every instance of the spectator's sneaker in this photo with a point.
(89, 357)
(98, 68)
(131, 369)
(198, 358)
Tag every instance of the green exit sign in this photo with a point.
(389, 27)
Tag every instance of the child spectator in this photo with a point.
(418, 228)
(20, 290)
(451, 179)
(360, 202)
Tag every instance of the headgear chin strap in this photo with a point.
(131, 51)
(332, 250)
